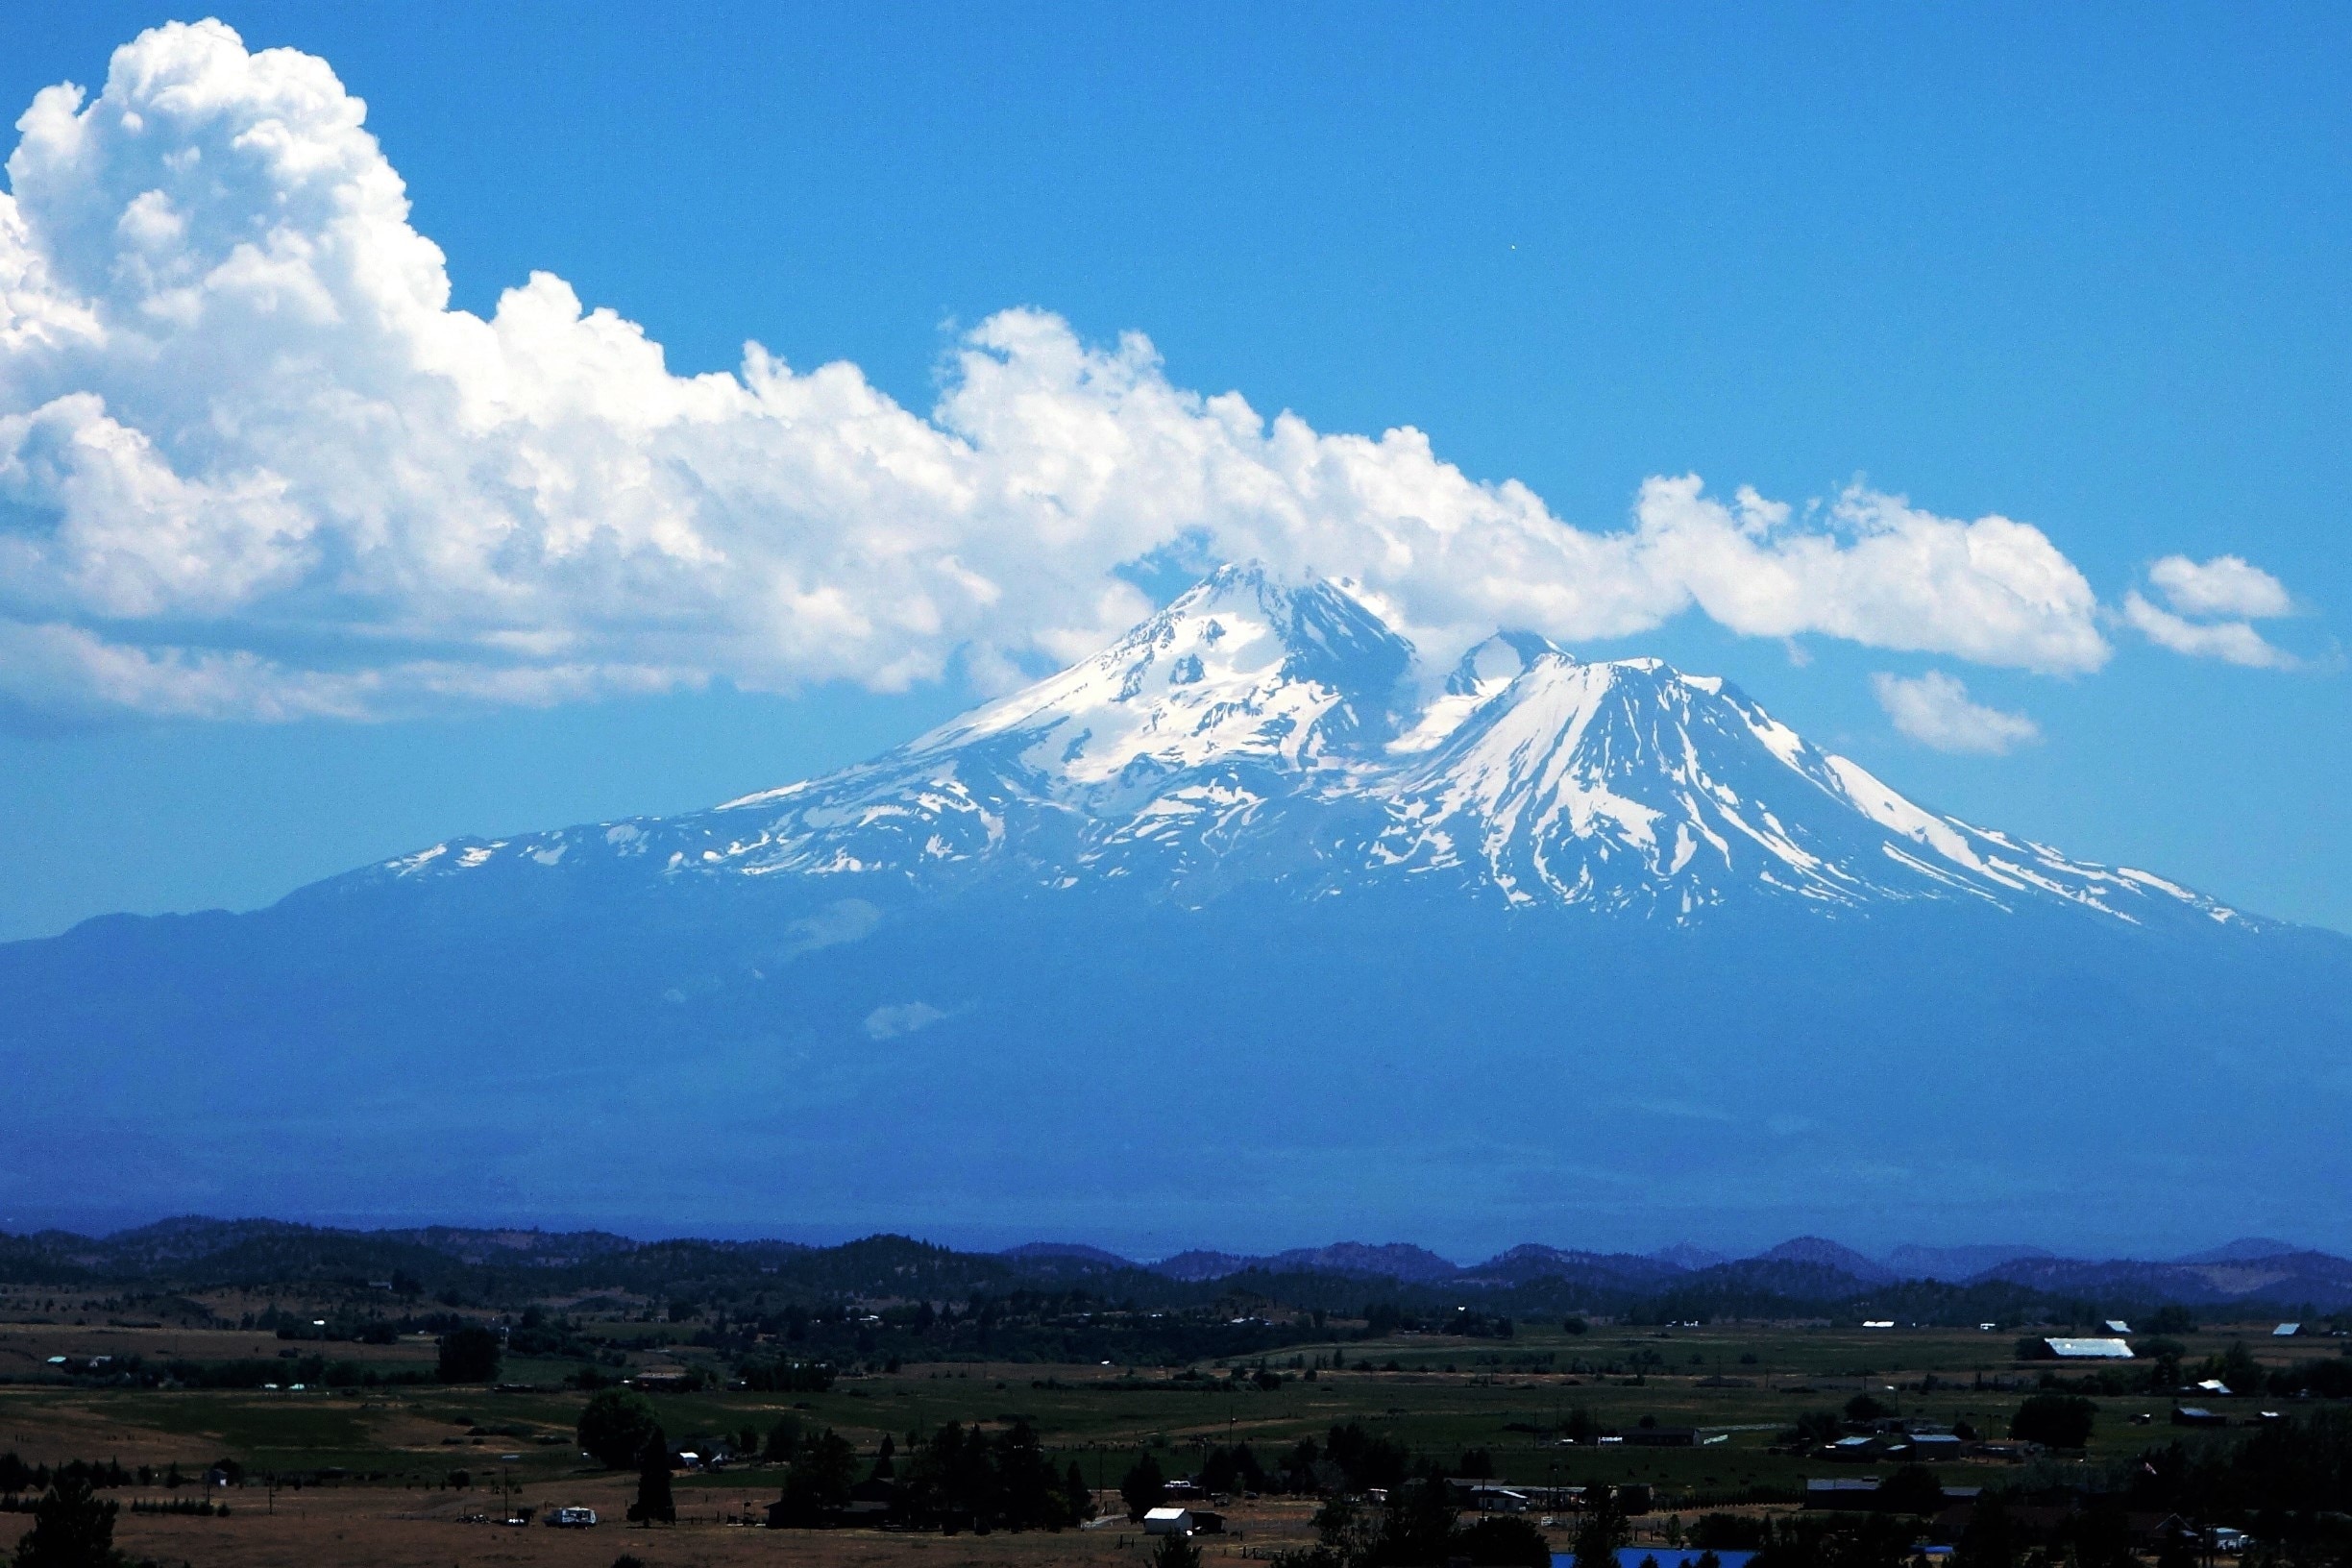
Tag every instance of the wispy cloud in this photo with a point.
(1935, 710)
(2226, 585)
(2234, 641)
(901, 1018)
(2213, 606)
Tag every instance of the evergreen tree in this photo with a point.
(818, 1485)
(1417, 1527)
(71, 1529)
(1603, 1530)
(1143, 1487)
(654, 1504)
(1081, 1498)
(1028, 1493)
(1176, 1552)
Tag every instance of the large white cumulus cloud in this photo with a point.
(253, 465)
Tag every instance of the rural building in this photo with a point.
(2090, 1350)
(1662, 1436)
(1168, 1522)
(1860, 1494)
(2285, 1330)
(2197, 1415)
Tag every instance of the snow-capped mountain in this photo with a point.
(1283, 733)
(1251, 924)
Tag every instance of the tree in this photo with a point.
(1346, 1533)
(1912, 1490)
(816, 1487)
(1863, 1407)
(1815, 1427)
(2240, 1371)
(654, 1504)
(616, 1427)
(783, 1438)
(71, 1529)
(1990, 1540)
(1176, 1552)
(1501, 1540)
(1603, 1530)
(470, 1354)
(1418, 1525)
(1075, 1492)
(2103, 1537)
(1143, 1487)
(2054, 1420)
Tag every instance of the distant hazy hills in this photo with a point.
(2247, 1269)
(1807, 1276)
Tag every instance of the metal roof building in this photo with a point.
(2096, 1350)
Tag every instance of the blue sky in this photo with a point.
(2087, 272)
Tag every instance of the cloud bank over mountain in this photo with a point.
(253, 466)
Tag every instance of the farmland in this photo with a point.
(392, 1470)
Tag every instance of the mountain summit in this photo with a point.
(1279, 732)
(1251, 924)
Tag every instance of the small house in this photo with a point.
(1168, 1522)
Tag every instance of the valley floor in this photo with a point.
(415, 1475)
